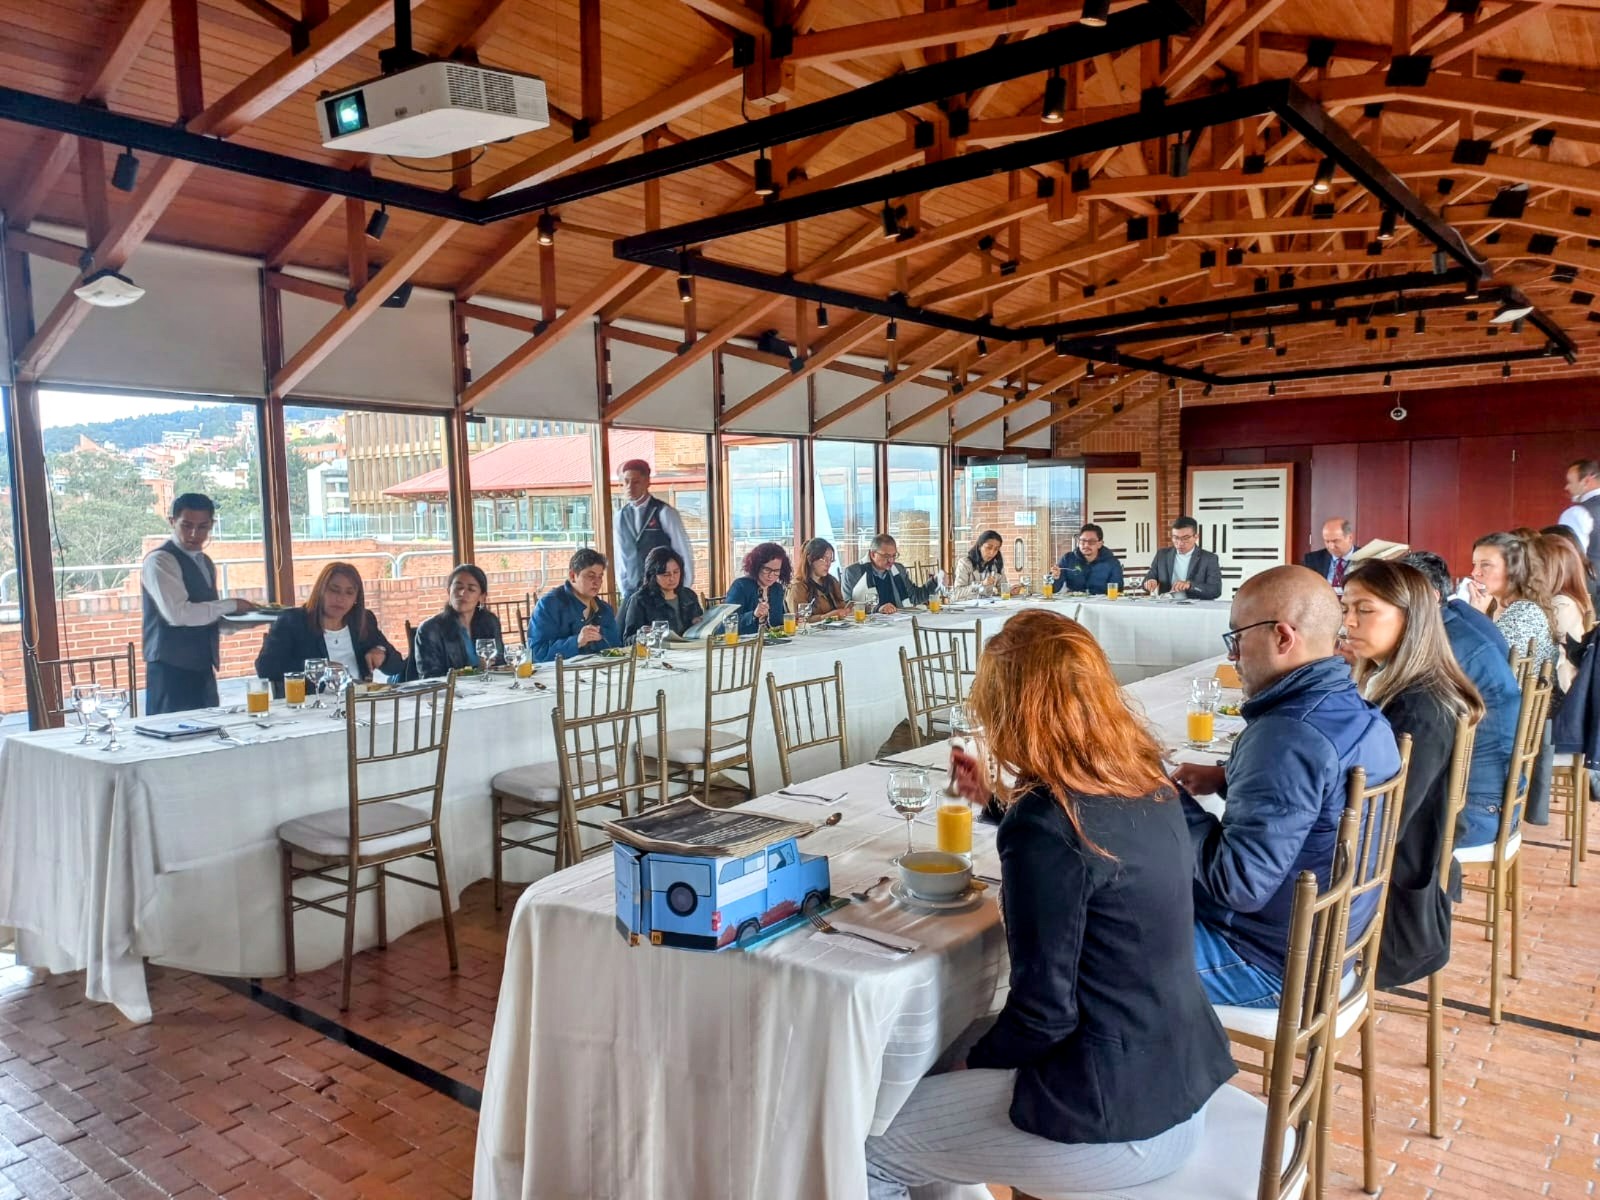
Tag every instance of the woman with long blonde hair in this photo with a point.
(1097, 1071)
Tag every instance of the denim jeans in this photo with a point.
(1229, 979)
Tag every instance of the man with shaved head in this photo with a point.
(1332, 562)
(1306, 728)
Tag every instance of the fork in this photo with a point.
(224, 736)
(791, 793)
(823, 926)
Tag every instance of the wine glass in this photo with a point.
(660, 631)
(516, 652)
(316, 670)
(488, 650)
(113, 703)
(910, 791)
(1027, 585)
(86, 702)
(336, 676)
(803, 612)
(966, 735)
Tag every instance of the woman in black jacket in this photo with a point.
(1404, 665)
(1096, 1074)
(448, 640)
(662, 598)
(334, 624)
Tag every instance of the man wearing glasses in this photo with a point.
(882, 573)
(1091, 567)
(1184, 568)
(1307, 727)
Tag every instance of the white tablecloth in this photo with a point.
(167, 851)
(659, 1074)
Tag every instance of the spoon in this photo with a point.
(865, 894)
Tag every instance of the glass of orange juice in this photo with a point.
(934, 603)
(953, 827)
(1049, 587)
(1203, 697)
(730, 635)
(1112, 591)
(294, 688)
(257, 697)
(789, 625)
(861, 613)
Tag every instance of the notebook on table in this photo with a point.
(175, 728)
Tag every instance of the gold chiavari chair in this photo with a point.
(1499, 861)
(933, 685)
(531, 795)
(56, 677)
(601, 768)
(808, 715)
(723, 744)
(514, 615)
(398, 742)
(965, 641)
(1433, 1008)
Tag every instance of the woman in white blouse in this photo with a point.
(334, 623)
(1572, 608)
(983, 566)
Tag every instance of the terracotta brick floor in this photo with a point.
(222, 1095)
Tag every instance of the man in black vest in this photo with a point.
(643, 523)
(178, 583)
(1583, 515)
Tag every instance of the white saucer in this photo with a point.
(968, 899)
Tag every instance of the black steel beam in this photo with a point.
(1444, 362)
(923, 85)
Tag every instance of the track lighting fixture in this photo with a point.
(1061, 349)
(891, 221)
(1323, 183)
(1388, 379)
(765, 186)
(1207, 391)
(1272, 389)
(126, 172)
(1420, 325)
(1386, 225)
(822, 317)
(547, 229)
(1095, 13)
(983, 348)
(1508, 312)
(685, 289)
(1470, 292)
(892, 334)
(1054, 109)
(378, 222)
(1088, 370)
(1272, 339)
(1505, 370)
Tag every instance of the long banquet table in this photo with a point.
(167, 851)
(655, 1074)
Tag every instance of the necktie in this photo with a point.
(1338, 572)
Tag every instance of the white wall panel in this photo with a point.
(559, 384)
(196, 329)
(1027, 415)
(1123, 504)
(396, 356)
(684, 403)
(836, 389)
(787, 412)
(1244, 517)
(908, 401)
(970, 408)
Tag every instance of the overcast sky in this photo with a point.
(74, 408)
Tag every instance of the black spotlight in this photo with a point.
(1388, 379)
(1322, 184)
(685, 289)
(1061, 347)
(126, 172)
(1420, 325)
(1088, 370)
(892, 333)
(822, 317)
(1054, 110)
(1386, 225)
(547, 229)
(764, 182)
(1095, 13)
(1272, 389)
(377, 223)
(1505, 370)
(983, 348)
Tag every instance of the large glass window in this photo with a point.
(1036, 509)
(115, 462)
(371, 489)
(916, 507)
(846, 504)
(760, 474)
(678, 476)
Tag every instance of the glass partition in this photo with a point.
(916, 508)
(845, 509)
(678, 476)
(760, 477)
(1035, 507)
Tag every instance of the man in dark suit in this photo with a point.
(1339, 542)
(1184, 567)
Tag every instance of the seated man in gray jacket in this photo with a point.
(882, 573)
(1183, 567)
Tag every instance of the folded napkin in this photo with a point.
(856, 945)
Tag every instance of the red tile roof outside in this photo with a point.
(543, 464)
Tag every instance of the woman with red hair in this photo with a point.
(1096, 1073)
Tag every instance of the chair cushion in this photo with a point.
(535, 784)
(328, 833)
(1225, 1166)
(688, 746)
(1262, 1023)
(1484, 854)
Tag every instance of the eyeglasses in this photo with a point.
(886, 555)
(1230, 639)
(1088, 541)
(776, 569)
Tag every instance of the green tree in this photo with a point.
(101, 514)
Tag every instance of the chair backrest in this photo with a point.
(1456, 796)
(513, 614)
(807, 715)
(56, 677)
(733, 673)
(965, 640)
(1377, 810)
(1525, 746)
(933, 686)
(595, 686)
(398, 740)
(1521, 660)
(593, 755)
(1304, 1041)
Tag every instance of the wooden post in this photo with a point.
(276, 525)
(458, 457)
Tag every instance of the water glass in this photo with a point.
(641, 643)
(910, 791)
(86, 702)
(113, 703)
(488, 652)
(516, 656)
(316, 673)
(660, 632)
(966, 735)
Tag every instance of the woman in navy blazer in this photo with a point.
(759, 591)
(1096, 1074)
(337, 606)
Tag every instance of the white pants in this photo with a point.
(955, 1133)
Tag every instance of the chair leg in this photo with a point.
(1323, 1139)
(1369, 1104)
(499, 852)
(349, 934)
(383, 907)
(1435, 1049)
(286, 866)
(1515, 899)
(1496, 934)
(444, 905)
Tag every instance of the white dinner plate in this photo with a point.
(968, 899)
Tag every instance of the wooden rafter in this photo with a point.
(1004, 366)
(966, 22)
(701, 349)
(315, 211)
(730, 13)
(852, 331)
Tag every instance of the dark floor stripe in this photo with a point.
(1479, 1010)
(1546, 845)
(461, 1093)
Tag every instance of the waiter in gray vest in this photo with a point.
(643, 523)
(178, 583)
(1583, 515)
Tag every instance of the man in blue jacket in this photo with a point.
(1089, 568)
(572, 619)
(1285, 783)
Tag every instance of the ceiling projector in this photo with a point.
(107, 289)
(432, 109)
